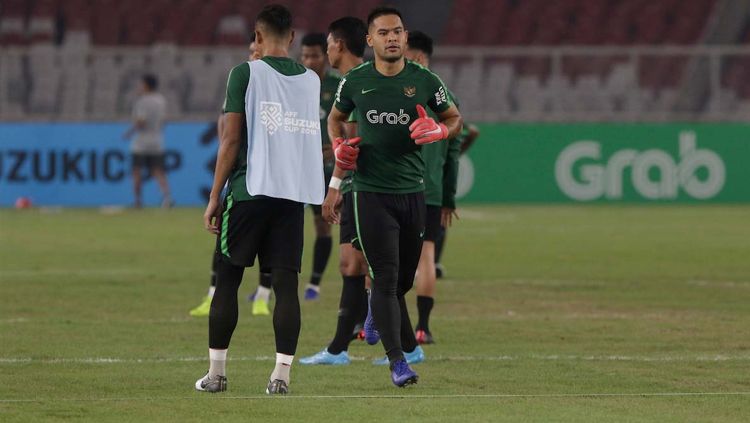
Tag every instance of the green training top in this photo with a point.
(239, 78)
(389, 160)
(328, 86)
(441, 168)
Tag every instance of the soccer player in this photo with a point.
(346, 47)
(441, 175)
(149, 112)
(271, 158)
(389, 95)
(314, 47)
(261, 295)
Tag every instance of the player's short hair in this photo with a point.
(418, 40)
(276, 19)
(315, 39)
(151, 81)
(382, 11)
(352, 31)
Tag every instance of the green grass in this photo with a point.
(548, 314)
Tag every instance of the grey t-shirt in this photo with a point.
(152, 109)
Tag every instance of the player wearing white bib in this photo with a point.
(271, 158)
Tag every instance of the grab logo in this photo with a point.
(373, 116)
(655, 174)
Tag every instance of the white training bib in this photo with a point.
(284, 147)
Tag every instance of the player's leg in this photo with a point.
(321, 254)
(157, 169)
(204, 307)
(378, 233)
(426, 278)
(353, 301)
(241, 231)
(439, 245)
(281, 251)
(137, 174)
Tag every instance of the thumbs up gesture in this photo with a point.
(425, 130)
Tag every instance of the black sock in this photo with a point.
(439, 244)
(349, 310)
(286, 313)
(408, 340)
(264, 279)
(321, 253)
(222, 319)
(424, 307)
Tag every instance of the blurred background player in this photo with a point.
(147, 147)
(441, 177)
(313, 56)
(346, 46)
(260, 297)
(269, 183)
(469, 135)
(388, 183)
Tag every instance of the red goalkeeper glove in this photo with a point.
(346, 152)
(425, 130)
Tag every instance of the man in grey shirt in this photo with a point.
(149, 112)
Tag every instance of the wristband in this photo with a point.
(335, 183)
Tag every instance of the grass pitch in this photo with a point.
(547, 314)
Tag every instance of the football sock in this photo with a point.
(424, 307)
(211, 290)
(352, 300)
(262, 293)
(408, 340)
(283, 366)
(218, 363)
(286, 313)
(321, 253)
(222, 319)
(387, 315)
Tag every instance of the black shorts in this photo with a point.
(327, 174)
(347, 226)
(148, 160)
(432, 224)
(390, 229)
(270, 228)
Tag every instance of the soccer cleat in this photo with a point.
(203, 309)
(372, 336)
(414, 357)
(218, 384)
(424, 337)
(439, 271)
(260, 308)
(358, 334)
(324, 357)
(311, 294)
(167, 203)
(402, 375)
(277, 387)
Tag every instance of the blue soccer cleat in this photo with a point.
(402, 375)
(324, 357)
(414, 357)
(311, 294)
(372, 336)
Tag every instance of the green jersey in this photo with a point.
(389, 160)
(328, 86)
(239, 78)
(441, 169)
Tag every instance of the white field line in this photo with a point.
(365, 396)
(438, 358)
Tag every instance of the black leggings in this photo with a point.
(390, 230)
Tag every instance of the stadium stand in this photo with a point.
(506, 59)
